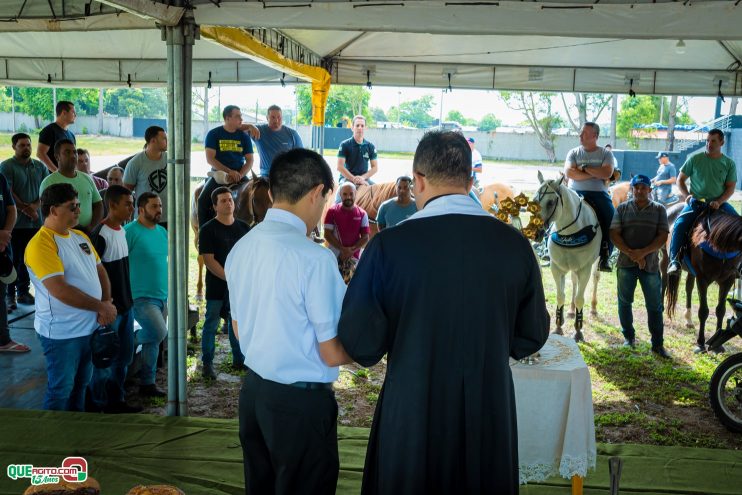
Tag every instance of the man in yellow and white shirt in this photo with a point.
(73, 297)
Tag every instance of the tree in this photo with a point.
(643, 110)
(538, 110)
(456, 116)
(415, 113)
(489, 123)
(5, 99)
(344, 102)
(378, 115)
(670, 141)
(588, 107)
(136, 102)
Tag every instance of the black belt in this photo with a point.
(312, 385)
(301, 385)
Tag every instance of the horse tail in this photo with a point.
(673, 284)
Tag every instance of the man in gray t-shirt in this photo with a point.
(588, 167)
(639, 229)
(147, 170)
(274, 138)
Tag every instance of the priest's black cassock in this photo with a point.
(450, 294)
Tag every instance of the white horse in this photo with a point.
(570, 214)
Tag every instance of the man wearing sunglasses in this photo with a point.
(73, 297)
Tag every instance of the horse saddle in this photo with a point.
(578, 239)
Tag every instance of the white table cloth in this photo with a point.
(556, 430)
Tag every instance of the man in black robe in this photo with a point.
(445, 421)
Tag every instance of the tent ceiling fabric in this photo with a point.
(554, 45)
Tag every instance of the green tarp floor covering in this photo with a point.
(203, 456)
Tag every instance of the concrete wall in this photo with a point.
(113, 126)
(506, 146)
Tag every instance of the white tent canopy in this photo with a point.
(604, 46)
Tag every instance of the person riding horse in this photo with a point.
(713, 179)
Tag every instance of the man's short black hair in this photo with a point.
(216, 192)
(717, 132)
(404, 178)
(55, 195)
(58, 145)
(152, 132)
(296, 172)
(274, 108)
(144, 198)
(228, 110)
(115, 193)
(443, 157)
(83, 151)
(17, 137)
(64, 106)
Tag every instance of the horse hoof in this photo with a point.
(718, 349)
(689, 324)
(699, 350)
(558, 331)
(593, 312)
(199, 297)
(579, 337)
(570, 314)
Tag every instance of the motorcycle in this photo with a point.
(725, 388)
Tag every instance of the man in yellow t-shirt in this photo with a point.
(73, 297)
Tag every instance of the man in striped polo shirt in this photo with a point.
(639, 229)
(73, 297)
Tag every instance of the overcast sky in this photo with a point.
(472, 103)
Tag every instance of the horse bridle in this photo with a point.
(547, 222)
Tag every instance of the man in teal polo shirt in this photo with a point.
(147, 243)
(713, 178)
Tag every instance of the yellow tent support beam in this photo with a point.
(242, 42)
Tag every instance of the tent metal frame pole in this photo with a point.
(180, 40)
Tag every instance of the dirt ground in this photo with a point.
(629, 413)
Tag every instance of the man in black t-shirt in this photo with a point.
(355, 155)
(57, 130)
(215, 240)
(109, 239)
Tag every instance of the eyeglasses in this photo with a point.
(73, 206)
(412, 182)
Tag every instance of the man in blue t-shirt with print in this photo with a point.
(228, 149)
(272, 138)
(392, 211)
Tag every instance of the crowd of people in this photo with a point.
(95, 252)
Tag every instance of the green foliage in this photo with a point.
(136, 102)
(489, 123)
(416, 113)
(37, 102)
(456, 116)
(645, 109)
(378, 115)
(5, 99)
(343, 103)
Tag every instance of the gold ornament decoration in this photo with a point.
(509, 212)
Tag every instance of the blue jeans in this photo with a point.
(151, 314)
(603, 206)
(651, 284)
(69, 367)
(112, 379)
(684, 222)
(208, 339)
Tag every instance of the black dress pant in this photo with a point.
(288, 437)
(19, 241)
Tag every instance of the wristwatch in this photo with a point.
(583, 166)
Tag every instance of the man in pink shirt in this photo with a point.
(348, 230)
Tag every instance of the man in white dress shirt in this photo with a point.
(286, 293)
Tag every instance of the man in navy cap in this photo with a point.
(665, 178)
(639, 229)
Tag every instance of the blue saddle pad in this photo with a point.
(689, 266)
(706, 248)
(578, 239)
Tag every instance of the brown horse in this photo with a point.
(370, 198)
(723, 232)
(252, 201)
